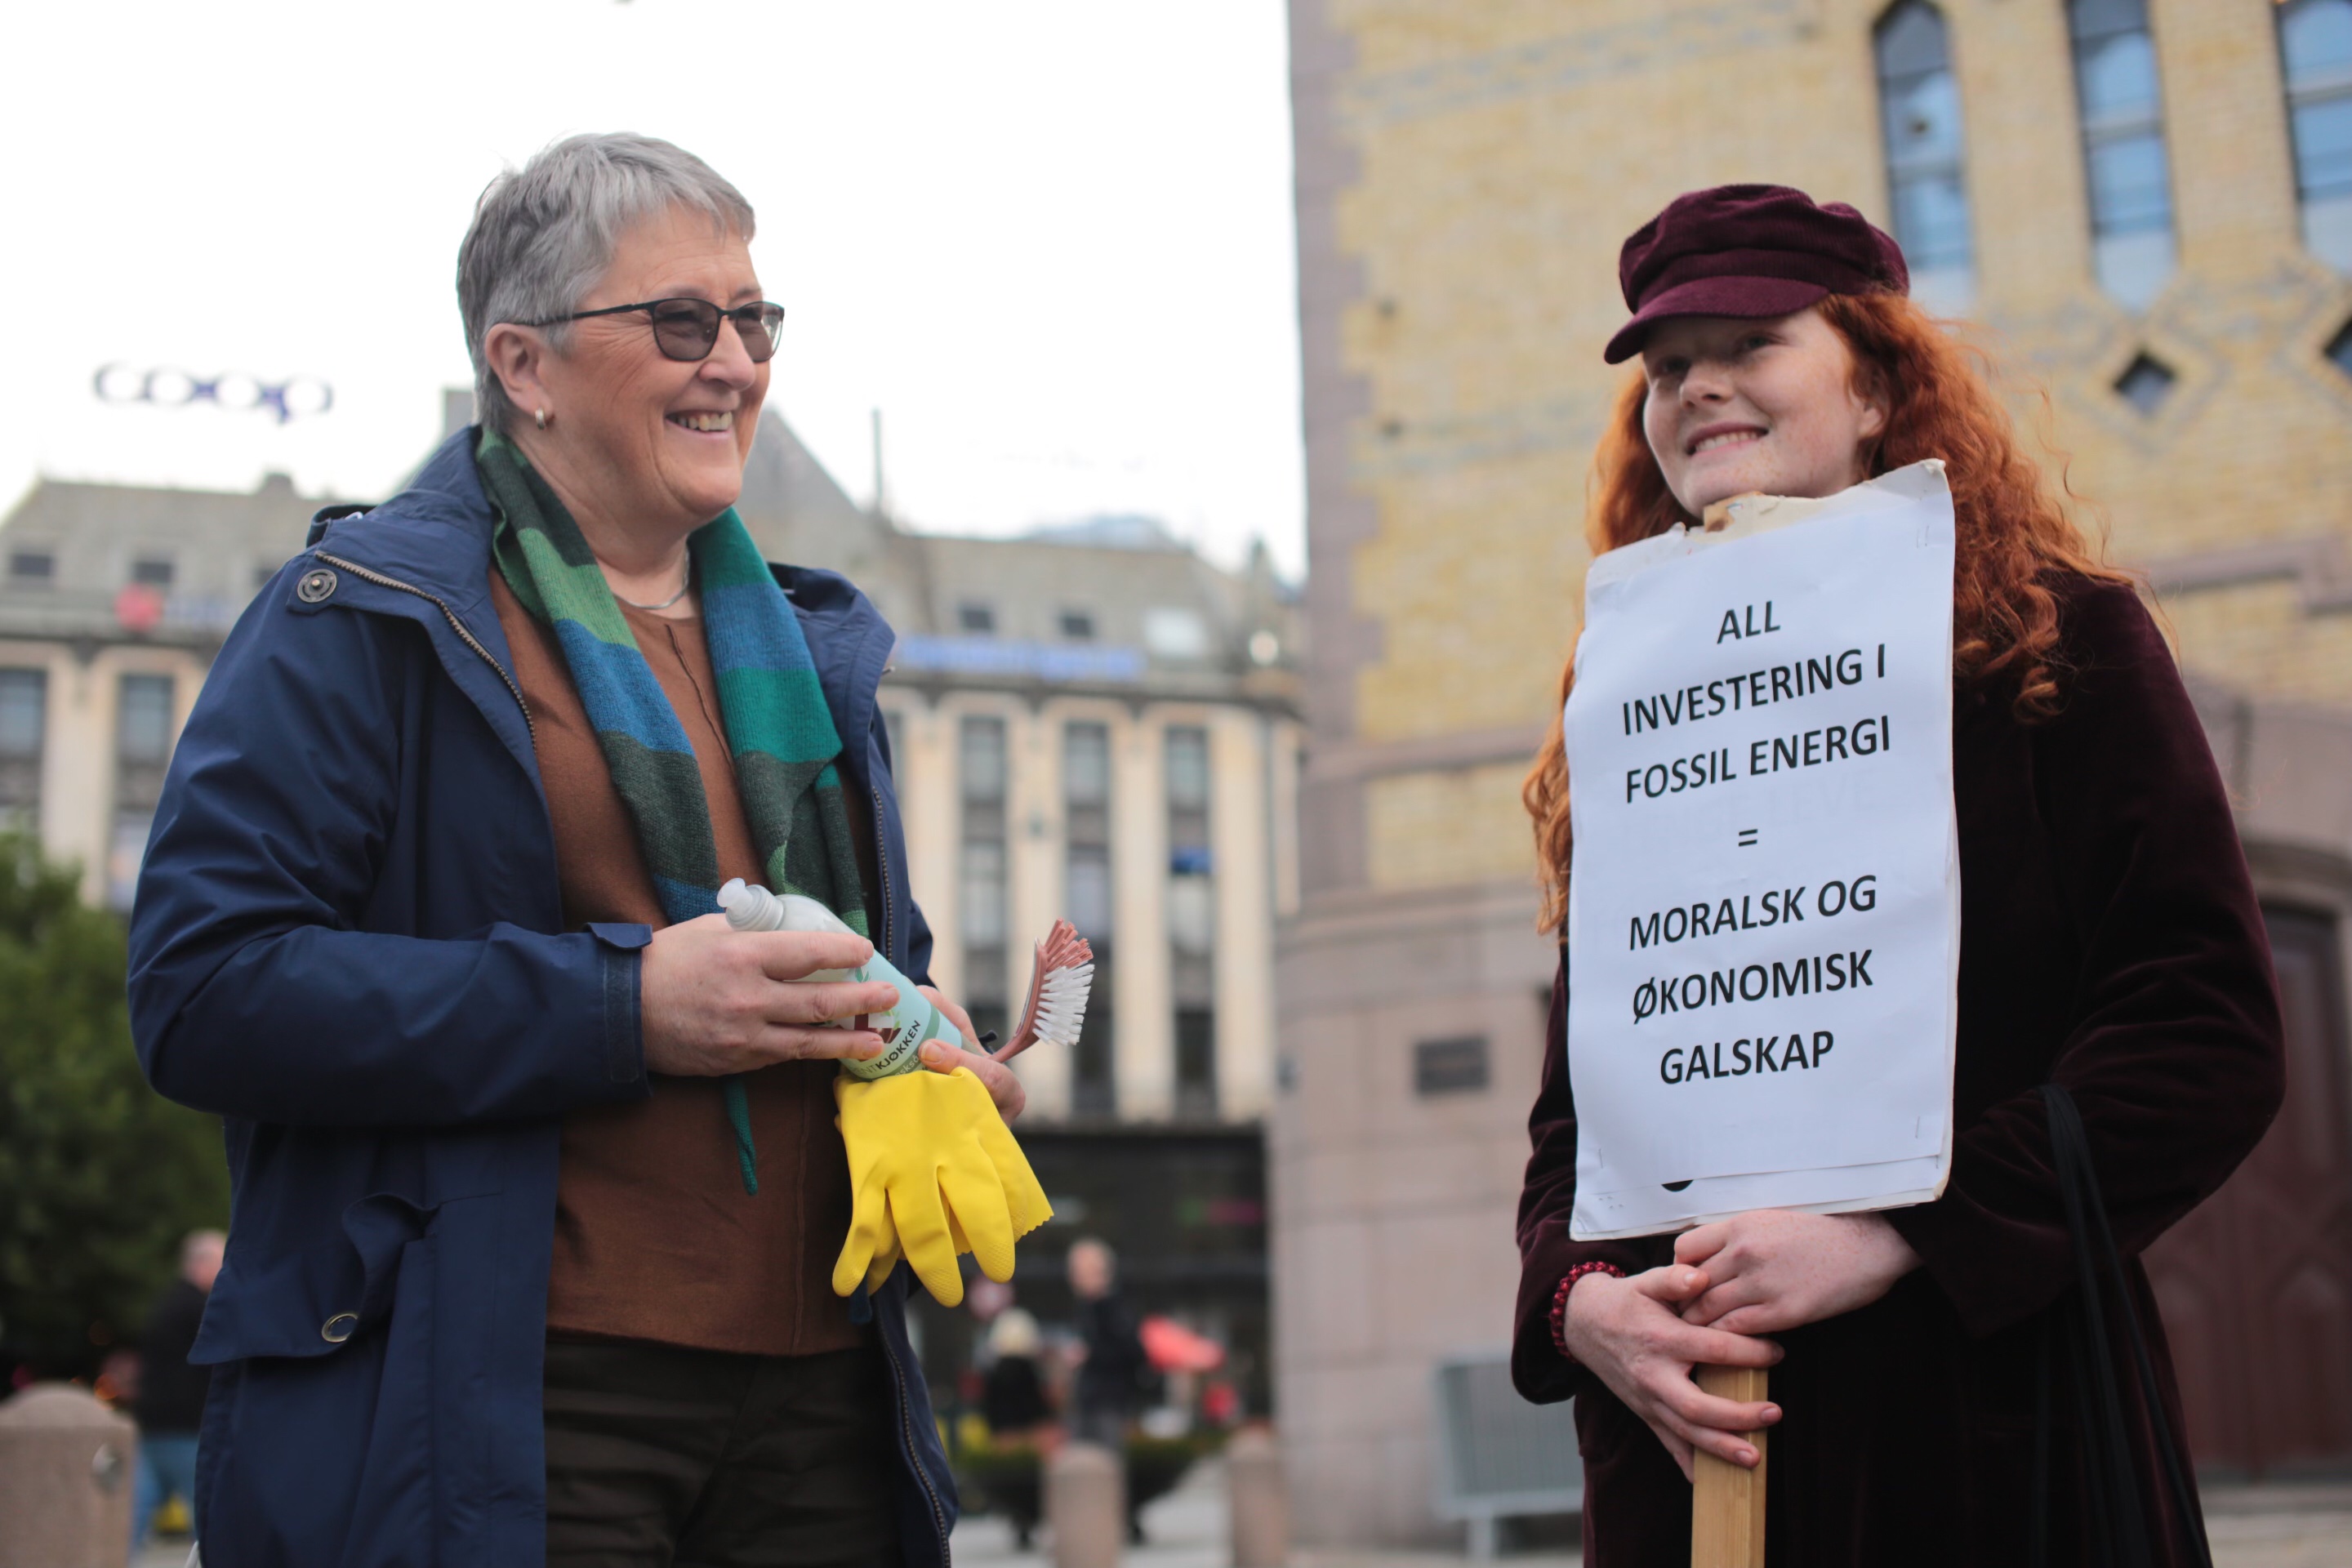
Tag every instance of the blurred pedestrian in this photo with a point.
(170, 1404)
(1112, 1363)
(1013, 1398)
(430, 917)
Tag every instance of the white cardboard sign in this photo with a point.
(1764, 915)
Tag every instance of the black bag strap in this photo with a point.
(2119, 1521)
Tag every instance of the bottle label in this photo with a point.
(903, 1029)
(901, 1042)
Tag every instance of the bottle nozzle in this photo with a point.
(749, 908)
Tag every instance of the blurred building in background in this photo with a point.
(2147, 205)
(113, 600)
(1093, 722)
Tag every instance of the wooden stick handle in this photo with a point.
(1726, 1501)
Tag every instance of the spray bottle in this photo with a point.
(903, 1029)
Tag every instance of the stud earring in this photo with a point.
(542, 418)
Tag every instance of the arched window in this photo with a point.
(1919, 113)
(2123, 146)
(2315, 48)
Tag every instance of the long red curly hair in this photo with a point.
(2012, 532)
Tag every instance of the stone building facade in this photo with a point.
(2140, 209)
(113, 600)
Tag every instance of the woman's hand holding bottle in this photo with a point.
(714, 1001)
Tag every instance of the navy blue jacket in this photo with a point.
(349, 943)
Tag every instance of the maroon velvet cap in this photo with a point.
(1748, 250)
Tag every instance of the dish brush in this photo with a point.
(1059, 985)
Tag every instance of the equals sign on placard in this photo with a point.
(1748, 838)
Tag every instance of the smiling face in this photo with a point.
(1738, 406)
(655, 444)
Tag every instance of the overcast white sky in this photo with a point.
(1051, 239)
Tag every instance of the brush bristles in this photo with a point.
(1062, 1004)
(1058, 988)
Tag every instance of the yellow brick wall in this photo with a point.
(1437, 829)
(1504, 150)
(2256, 637)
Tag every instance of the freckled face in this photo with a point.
(1737, 406)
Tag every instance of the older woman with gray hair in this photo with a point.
(537, 1185)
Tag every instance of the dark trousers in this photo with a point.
(658, 1456)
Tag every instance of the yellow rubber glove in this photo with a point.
(1022, 1195)
(886, 1256)
(925, 1150)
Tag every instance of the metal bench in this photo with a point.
(1499, 1456)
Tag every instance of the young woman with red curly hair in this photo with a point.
(2110, 945)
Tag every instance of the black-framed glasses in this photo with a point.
(688, 329)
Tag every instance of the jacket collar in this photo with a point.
(435, 536)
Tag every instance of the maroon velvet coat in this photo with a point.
(2110, 942)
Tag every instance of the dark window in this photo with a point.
(2145, 384)
(1196, 1064)
(2316, 55)
(2123, 146)
(151, 572)
(143, 748)
(1094, 1070)
(143, 722)
(1085, 810)
(24, 717)
(1192, 920)
(1450, 1067)
(32, 568)
(1087, 898)
(980, 901)
(2339, 349)
(1078, 626)
(975, 618)
(261, 576)
(1919, 118)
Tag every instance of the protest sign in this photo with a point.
(1764, 913)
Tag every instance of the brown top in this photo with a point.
(655, 1237)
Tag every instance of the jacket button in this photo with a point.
(316, 587)
(338, 1329)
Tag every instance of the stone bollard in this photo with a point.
(65, 1480)
(1085, 1506)
(1256, 1500)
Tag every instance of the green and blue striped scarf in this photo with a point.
(769, 700)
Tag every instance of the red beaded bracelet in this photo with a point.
(1559, 1300)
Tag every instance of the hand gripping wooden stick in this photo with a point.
(1726, 1501)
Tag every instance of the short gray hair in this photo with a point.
(543, 233)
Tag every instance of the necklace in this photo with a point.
(664, 604)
